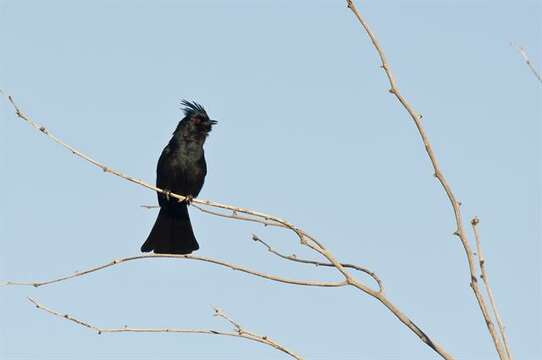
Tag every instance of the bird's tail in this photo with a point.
(172, 232)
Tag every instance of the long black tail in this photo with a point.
(172, 232)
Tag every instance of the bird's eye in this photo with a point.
(197, 120)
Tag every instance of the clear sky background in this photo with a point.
(307, 131)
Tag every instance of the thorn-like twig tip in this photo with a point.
(33, 302)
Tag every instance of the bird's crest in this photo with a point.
(192, 108)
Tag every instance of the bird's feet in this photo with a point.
(188, 199)
(167, 194)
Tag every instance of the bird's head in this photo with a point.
(196, 122)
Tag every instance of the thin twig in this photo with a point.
(221, 314)
(234, 215)
(295, 258)
(239, 332)
(474, 222)
(180, 257)
(460, 231)
(523, 54)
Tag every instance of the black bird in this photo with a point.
(181, 169)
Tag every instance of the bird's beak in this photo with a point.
(213, 122)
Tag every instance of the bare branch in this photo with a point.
(523, 54)
(292, 257)
(239, 332)
(180, 257)
(234, 215)
(474, 222)
(460, 231)
(295, 258)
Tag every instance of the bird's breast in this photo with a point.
(187, 175)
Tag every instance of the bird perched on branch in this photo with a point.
(181, 169)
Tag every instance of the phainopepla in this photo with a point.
(181, 169)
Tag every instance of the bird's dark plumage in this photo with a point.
(181, 169)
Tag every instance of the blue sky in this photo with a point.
(307, 131)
